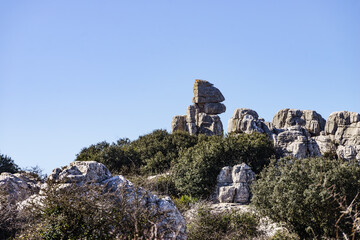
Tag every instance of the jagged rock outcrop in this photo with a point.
(304, 133)
(202, 118)
(310, 120)
(344, 128)
(296, 141)
(17, 187)
(81, 173)
(233, 184)
(245, 120)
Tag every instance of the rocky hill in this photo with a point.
(294, 132)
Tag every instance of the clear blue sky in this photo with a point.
(74, 73)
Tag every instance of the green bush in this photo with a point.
(197, 167)
(152, 153)
(222, 225)
(87, 212)
(297, 192)
(184, 202)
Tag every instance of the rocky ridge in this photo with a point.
(202, 117)
(304, 133)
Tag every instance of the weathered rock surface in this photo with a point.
(24, 191)
(310, 120)
(233, 184)
(296, 141)
(202, 118)
(304, 133)
(245, 120)
(344, 128)
(205, 92)
(17, 187)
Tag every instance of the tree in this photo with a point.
(7, 164)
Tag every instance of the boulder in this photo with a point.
(310, 120)
(214, 108)
(205, 92)
(233, 184)
(209, 124)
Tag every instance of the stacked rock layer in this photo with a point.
(202, 117)
(233, 184)
(304, 133)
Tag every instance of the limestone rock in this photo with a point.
(17, 187)
(310, 120)
(201, 118)
(80, 172)
(214, 108)
(344, 127)
(205, 92)
(209, 124)
(326, 145)
(296, 141)
(233, 184)
(244, 120)
(349, 152)
(178, 123)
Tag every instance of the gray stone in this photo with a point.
(205, 92)
(245, 120)
(226, 194)
(326, 145)
(344, 127)
(310, 120)
(17, 187)
(214, 108)
(296, 141)
(178, 123)
(233, 184)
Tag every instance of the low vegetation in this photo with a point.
(304, 194)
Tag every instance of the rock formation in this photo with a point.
(201, 117)
(233, 184)
(23, 191)
(304, 133)
(17, 187)
(308, 119)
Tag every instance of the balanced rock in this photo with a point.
(233, 184)
(310, 120)
(205, 92)
(201, 117)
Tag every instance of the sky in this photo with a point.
(75, 73)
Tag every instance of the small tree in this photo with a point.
(7, 164)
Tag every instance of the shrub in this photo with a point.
(184, 202)
(223, 225)
(296, 192)
(151, 154)
(87, 212)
